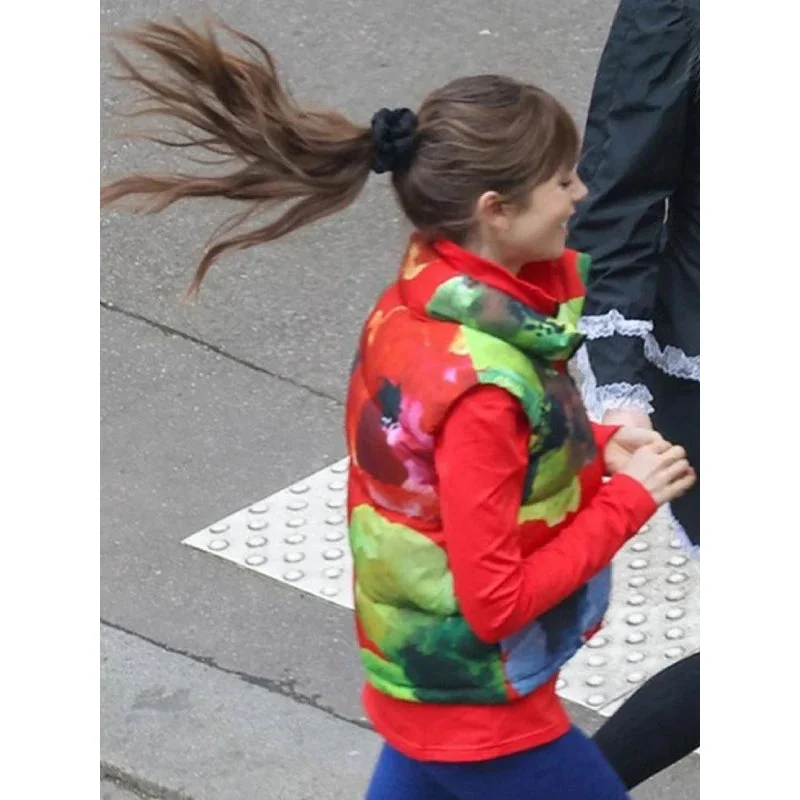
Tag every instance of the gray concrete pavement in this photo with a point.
(208, 735)
(211, 405)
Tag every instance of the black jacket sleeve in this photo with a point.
(631, 163)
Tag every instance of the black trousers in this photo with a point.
(657, 726)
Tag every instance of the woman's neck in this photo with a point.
(485, 251)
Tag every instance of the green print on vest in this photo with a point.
(570, 312)
(552, 473)
(584, 267)
(448, 663)
(496, 362)
(395, 563)
(555, 508)
(406, 606)
(462, 299)
(428, 657)
(387, 677)
(555, 491)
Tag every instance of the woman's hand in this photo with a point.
(664, 473)
(625, 442)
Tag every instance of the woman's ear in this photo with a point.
(490, 210)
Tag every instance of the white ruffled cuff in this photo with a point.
(599, 399)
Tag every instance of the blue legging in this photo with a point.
(570, 768)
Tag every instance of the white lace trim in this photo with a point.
(613, 323)
(671, 360)
(625, 395)
(599, 399)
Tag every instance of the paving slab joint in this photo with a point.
(145, 789)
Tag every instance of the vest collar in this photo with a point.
(536, 311)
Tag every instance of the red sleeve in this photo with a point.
(602, 433)
(481, 459)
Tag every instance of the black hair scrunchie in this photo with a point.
(393, 139)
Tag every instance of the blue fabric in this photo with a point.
(570, 768)
(537, 652)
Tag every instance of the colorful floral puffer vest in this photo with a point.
(433, 335)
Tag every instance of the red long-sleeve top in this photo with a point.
(481, 458)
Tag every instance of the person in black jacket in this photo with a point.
(640, 223)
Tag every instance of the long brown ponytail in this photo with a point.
(235, 107)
